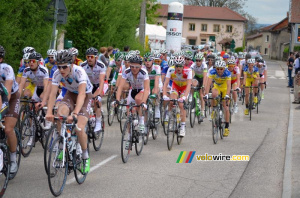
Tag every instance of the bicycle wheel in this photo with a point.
(230, 109)
(192, 112)
(122, 115)
(257, 108)
(243, 96)
(149, 122)
(214, 122)
(221, 125)
(164, 120)
(179, 138)
(22, 114)
(126, 142)
(139, 142)
(109, 99)
(98, 138)
(18, 152)
(57, 172)
(189, 104)
(171, 131)
(5, 171)
(28, 135)
(80, 176)
(51, 136)
(111, 114)
(250, 105)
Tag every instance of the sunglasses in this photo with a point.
(198, 60)
(148, 60)
(220, 69)
(26, 61)
(62, 67)
(32, 61)
(187, 59)
(50, 57)
(178, 65)
(119, 60)
(90, 56)
(134, 67)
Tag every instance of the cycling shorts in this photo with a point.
(179, 91)
(221, 90)
(249, 81)
(14, 105)
(200, 81)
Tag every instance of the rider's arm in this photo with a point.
(52, 98)
(204, 78)
(228, 86)
(47, 92)
(22, 83)
(167, 80)
(80, 98)
(101, 83)
(245, 77)
(120, 88)
(207, 86)
(45, 83)
(108, 72)
(188, 87)
(8, 84)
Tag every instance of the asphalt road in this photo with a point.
(155, 172)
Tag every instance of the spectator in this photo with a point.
(108, 53)
(126, 48)
(290, 63)
(296, 84)
(103, 51)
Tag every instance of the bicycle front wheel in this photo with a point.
(193, 112)
(5, 171)
(28, 135)
(80, 176)
(51, 136)
(98, 138)
(139, 142)
(171, 132)
(57, 171)
(214, 122)
(111, 114)
(126, 142)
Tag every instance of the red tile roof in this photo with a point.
(294, 12)
(281, 25)
(202, 12)
(254, 36)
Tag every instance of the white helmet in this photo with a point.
(28, 50)
(179, 60)
(231, 62)
(163, 51)
(220, 64)
(251, 60)
(26, 56)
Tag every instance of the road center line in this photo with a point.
(94, 167)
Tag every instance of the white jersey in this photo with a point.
(7, 73)
(199, 70)
(137, 83)
(94, 72)
(76, 77)
(36, 77)
(155, 71)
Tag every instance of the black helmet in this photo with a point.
(34, 55)
(135, 59)
(248, 56)
(260, 60)
(91, 51)
(211, 56)
(64, 56)
(2, 51)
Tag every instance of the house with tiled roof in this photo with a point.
(294, 23)
(200, 22)
(271, 40)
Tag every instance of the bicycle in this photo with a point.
(151, 123)
(250, 103)
(65, 155)
(4, 161)
(231, 104)
(164, 108)
(130, 134)
(195, 107)
(174, 124)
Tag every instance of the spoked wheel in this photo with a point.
(5, 171)
(51, 136)
(139, 143)
(214, 128)
(98, 137)
(78, 168)
(57, 172)
(28, 135)
(123, 118)
(250, 105)
(189, 104)
(149, 123)
(18, 153)
(111, 114)
(179, 138)
(192, 112)
(171, 132)
(22, 114)
(126, 143)
(221, 127)
(164, 120)
(230, 109)
(109, 100)
(155, 131)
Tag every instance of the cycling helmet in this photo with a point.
(256, 58)
(220, 64)
(156, 56)
(39, 56)
(199, 56)
(260, 60)
(26, 56)
(211, 56)
(231, 62)
(147, 55)
(248, 56)
(136, 59)
(163, 51)
(127, 57)
(74, 51)
(132, 52)
(2, 51)
(28, 50)
(64, 56)
(179, 60)
(188, 54)
(52, 52)
(251, 60)
(34, 55)
(137, 52)
(118, 56)
(91, 51)
(241, 55)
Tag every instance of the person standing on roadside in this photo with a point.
(102, 58)
(296, 86)
(290, 63)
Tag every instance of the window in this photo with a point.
(159, 23)
(267, 38)
(216, 28)
(228, 28)
(192, 27)
(203, 41)
(192, 41)
(266, 51)
(203, 27)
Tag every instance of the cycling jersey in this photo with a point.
(234, 73)
(155, 71)
(137, 83)
(179, 80)
(78, 61)
(20, 71)
(249, 78)
(76, 77)
(220, 81)
(37, 77)
(7, 73)
(199, 70)
(94, 72)
(262, 69)
(49, 65)
(243, 63)
(163, 64)
(63, 90)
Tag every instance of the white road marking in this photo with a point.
(279, 73)
(70, 181)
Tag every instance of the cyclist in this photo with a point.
(76, 60)
(25, 60)
(154, 74)
(263, 74)
(38, 76)
(140, 86)
(235, 81)
(222, 85)
(164, 58)
(114, 66)
(7, 77)
(200, 70)
(95, 70)
(50, 60)
(79, 92)
(188, 56)
(181, 86)
(251, 78)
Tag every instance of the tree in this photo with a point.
(23, 24)
(235, 5)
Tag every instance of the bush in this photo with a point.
(296, 48)
(239, 49)
(286, 49)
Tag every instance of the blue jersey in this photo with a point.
(163, 65)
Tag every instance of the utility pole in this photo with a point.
(54, 24)
(142, 26)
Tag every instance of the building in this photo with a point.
(271, 40)
(294, 24)
(199, 23)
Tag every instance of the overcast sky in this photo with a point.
(266, 11)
